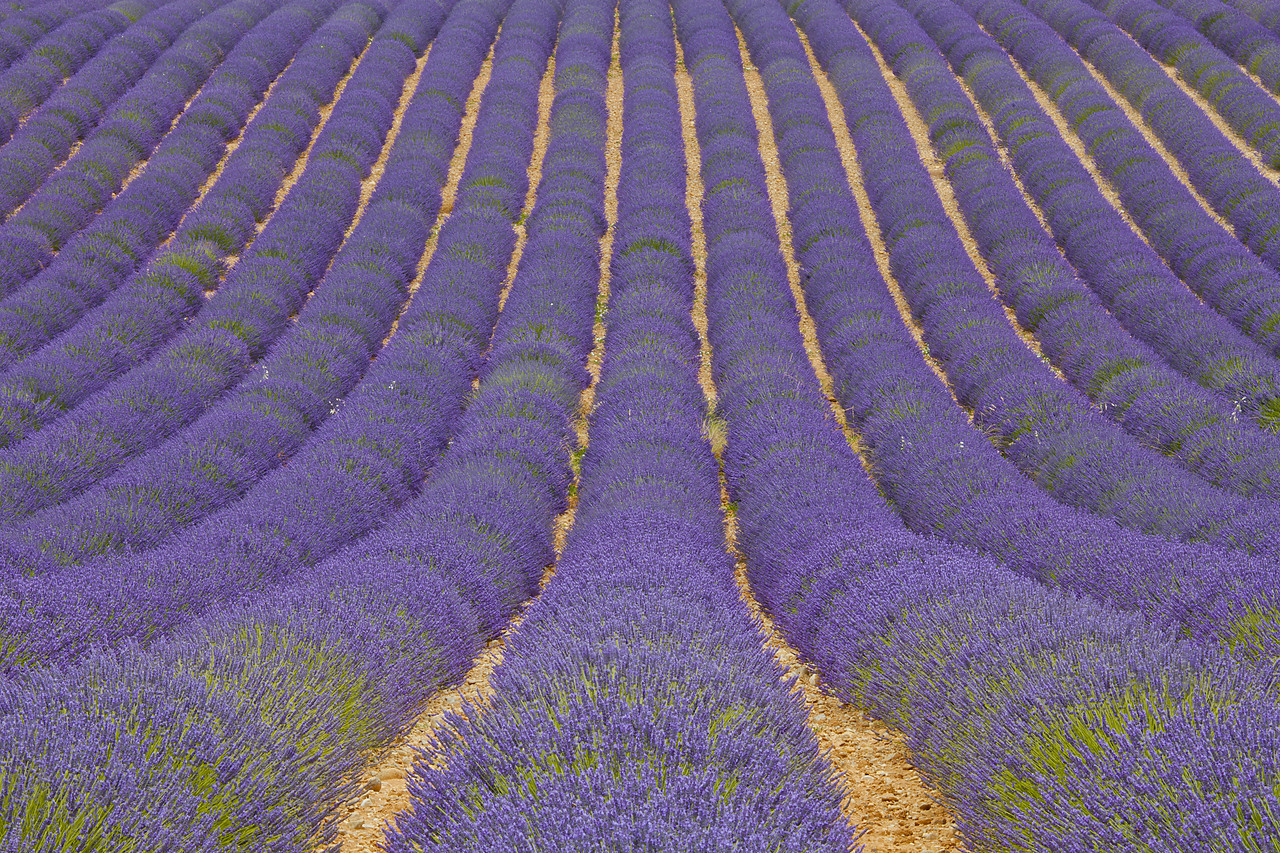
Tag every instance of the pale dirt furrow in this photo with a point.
(883, 794)
(379, 167)
(230, 150)
(364, 830)
(370, 181)
(300, 164)
(1140, 125)
(546, 94)
(138, 168)
(1068, 135)
(449, 192)
(383, 791)
(1240, 143)
(941, 185)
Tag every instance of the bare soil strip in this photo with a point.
(1241, 144)
(385, 792)
(449, 193)
(231, 148)
(546, 94)
(379, 167)
(300, 164)
(1140, 124)
(370, 181)
(1068, 135)
(883, 794)
(361, 830)
(942, 186)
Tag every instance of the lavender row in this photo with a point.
(1199, 252)
(1249, 109)
(635, 707)
(124, 139)
(50, 60)
(380, 630)
(941, 474)
(48, 135)
(1231, 184)
(280, 399)
(1265, 12)
(1044, 721)
(251, 309)
(157, 301)
(26, 23)
(368, 457)
(137, 219)
(1125, 379)
(1146, 298)
(1047, 429)
(1248, 42)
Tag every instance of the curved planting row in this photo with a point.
(50, 133)
(155, 302)
(1051, 433)
(1146, 298)
(315, 357)
(937, 470)
(1250, 44)
(249, 750)
(368, 458)
(1250, 110)
(1265, 12)
(386, 622)
(1123, 377)
(1233, 185)
(108, 252)
(47, 62)
(26, 23)
(635, 707)
(251, 312)
(1045, 721)
(1209, 260)
(87, 187)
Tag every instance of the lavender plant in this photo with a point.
(142, 314)
(47, 136)
(635, 707)
(994, 678)
(47, 62)
(1231, 184)
(125, 138)
(936, 469)
(315, 359)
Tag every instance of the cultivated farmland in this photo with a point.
(639, 425)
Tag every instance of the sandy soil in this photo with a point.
(883, 793)
(379, 167)
(449, 192)
(1139, 124)
(235, 143)
(363, 828)
(1241, 144)
(1077, 146)
(920, 133)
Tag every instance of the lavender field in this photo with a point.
(639, 425)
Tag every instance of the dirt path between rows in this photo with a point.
(1140, 125)
(883, 794)
(449, 192)
(941, 184)
(386, 792)
(1237, 141)
(385, 788)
